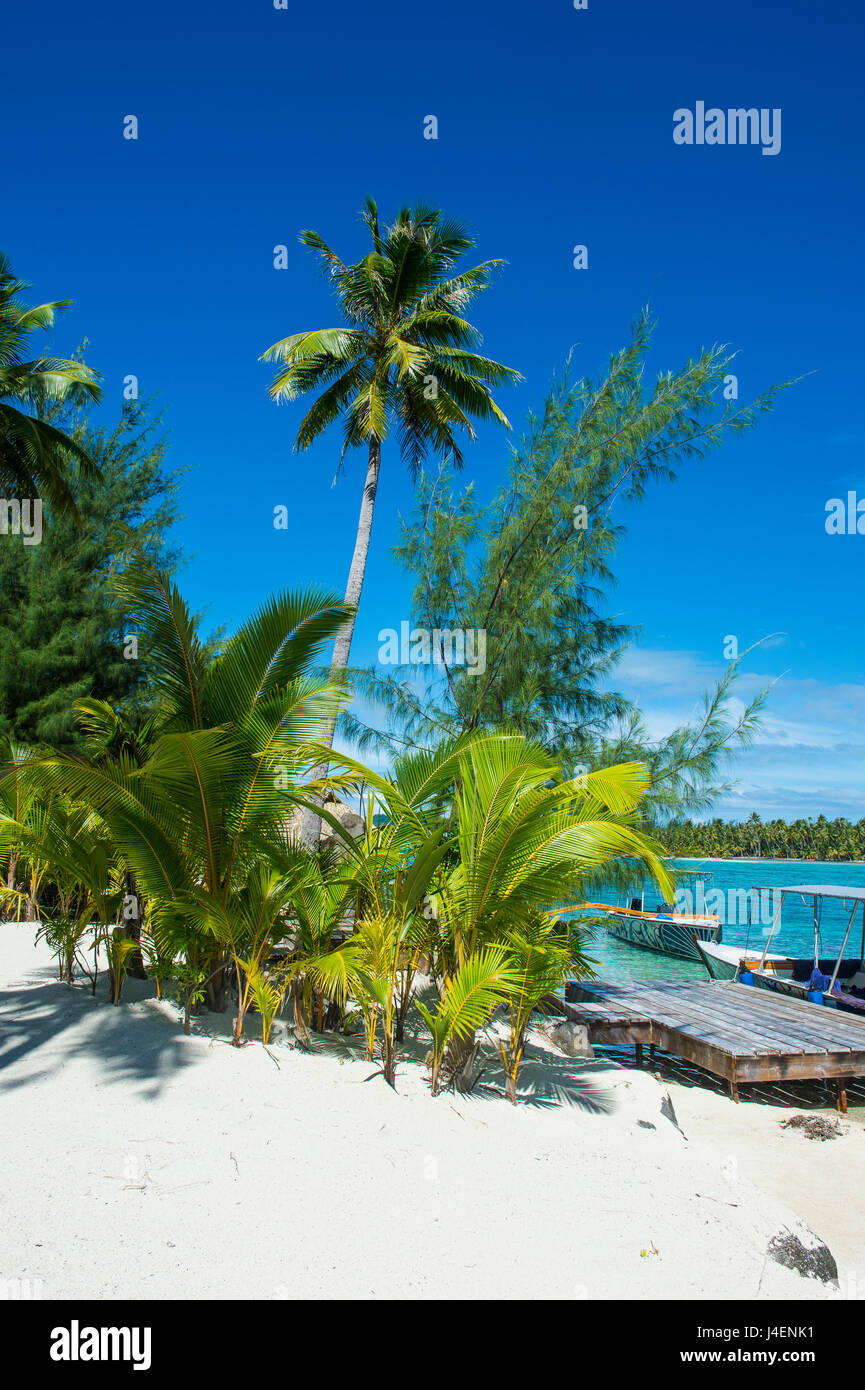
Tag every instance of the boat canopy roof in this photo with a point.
(819, 890)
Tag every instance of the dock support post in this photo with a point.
(734, 1090)
(841, 1094)
(638, 1054)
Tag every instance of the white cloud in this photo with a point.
(809, 755)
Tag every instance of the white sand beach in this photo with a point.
(138, 1162)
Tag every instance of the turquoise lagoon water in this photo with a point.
(795, 934)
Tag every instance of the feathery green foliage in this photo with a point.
(544, 954)
(531, 570)
(62, 623)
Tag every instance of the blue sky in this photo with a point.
(555, 128)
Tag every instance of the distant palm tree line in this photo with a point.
(754, 838)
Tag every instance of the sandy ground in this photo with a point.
(137, 1162)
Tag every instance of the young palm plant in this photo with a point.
(392, 867)
(379, 963)
(544, 954)
(405, 358)
(195, 821)
(18, 802)
(468, 1001)
(514, 842)
(106, 734)
(73, 877)
(483, 831)
(321, 895)
(528, 841)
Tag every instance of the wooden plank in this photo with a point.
(713, 1059)
(741, 1036)
(818, 1015)
(621, 1037)
(829, 1022)
(814, 1020)
(766, 1023)
(604, 1011)
(770, 1037)
(762, 1067)
(765, 1027)
(609, 1025)
(705, 1028)
(700, 1021)
(731, 1053)
(765, 1004)
(802, 1068)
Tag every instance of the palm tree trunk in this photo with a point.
(460, 1059)
(310, 827)
(132, 928)
(301, 1032)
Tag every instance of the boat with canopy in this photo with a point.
(835, 981)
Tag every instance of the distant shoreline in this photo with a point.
(743, 859)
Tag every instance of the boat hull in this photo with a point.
(665, 936)
(717, 968)
(794, 990)
(724, 962)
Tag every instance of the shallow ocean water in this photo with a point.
(794, 936)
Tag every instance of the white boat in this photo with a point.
(838, 982)
(724, 962)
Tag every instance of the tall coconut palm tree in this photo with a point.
(405, 358)
(34, 455)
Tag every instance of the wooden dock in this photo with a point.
(735, 1031)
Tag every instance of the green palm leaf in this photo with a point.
(36, 459)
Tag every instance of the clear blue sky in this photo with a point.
(555, 128)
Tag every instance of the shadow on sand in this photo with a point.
(802, 1095)
(548, 1081)
(44, 1026)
